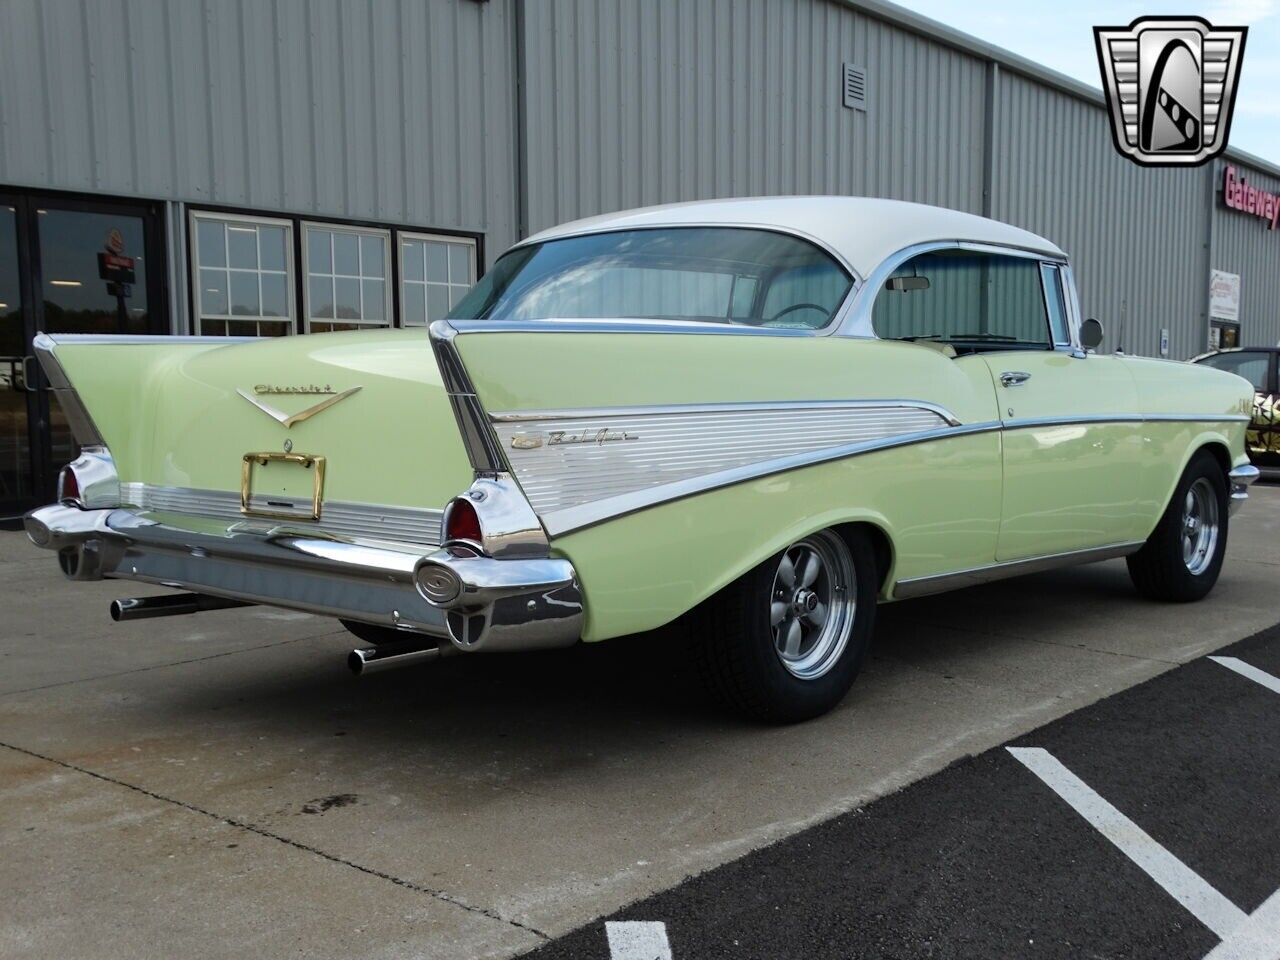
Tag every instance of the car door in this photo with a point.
(1072, 437)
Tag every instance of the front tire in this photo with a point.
(1182, 558)
(784, 642)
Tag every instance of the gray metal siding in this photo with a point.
(1135, 235)
(637, 103)
(397, 110)
(1243, 244)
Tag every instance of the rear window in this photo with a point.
(699, 274)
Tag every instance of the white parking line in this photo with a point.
(1258, 938)
(1253, 673)
(1181, 882)
(637, 940)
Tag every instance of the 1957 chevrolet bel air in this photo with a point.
(771, 412)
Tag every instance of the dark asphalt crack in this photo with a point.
(432, 892)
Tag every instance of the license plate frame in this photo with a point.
(306, 460)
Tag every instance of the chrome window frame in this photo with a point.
(832, 327)
(1051, 276)
(858, 322)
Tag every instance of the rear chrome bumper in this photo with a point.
(500, 604)
(1240, 479)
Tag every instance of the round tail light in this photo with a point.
(68, 485)
(461, 522)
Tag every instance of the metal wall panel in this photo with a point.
(1136, 235)
(637, 103)
(1245, 244)
(395, 110)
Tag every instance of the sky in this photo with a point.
(1060, 36)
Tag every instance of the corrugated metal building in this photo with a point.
(284, 166)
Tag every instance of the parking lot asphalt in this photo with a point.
(212, 785)
(988, 860)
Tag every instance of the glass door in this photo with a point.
(17, 393)
(67, 265)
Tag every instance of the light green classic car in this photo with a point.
(772, 413)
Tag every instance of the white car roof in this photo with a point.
(861, 230)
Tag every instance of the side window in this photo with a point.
(966, 297)
(1056, 302)
(1250, 365)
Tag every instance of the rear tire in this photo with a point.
(1182, 558)
(784, 642)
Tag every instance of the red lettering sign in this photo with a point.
(1239, 194)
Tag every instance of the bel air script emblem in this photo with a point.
(560, 438)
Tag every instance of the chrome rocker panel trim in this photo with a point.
(525, 604)
(1240, 479)
(940, 583)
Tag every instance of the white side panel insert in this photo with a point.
(579, 467)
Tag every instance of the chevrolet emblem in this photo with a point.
(289, 419)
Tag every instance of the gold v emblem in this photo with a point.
(289, 420)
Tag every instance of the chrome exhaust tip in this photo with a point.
(364, 660)
(169, 605)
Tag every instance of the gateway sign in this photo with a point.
(1239, 194)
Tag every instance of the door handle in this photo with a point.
(1013, 378)
(26, 374)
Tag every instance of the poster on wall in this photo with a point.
(1224, 295)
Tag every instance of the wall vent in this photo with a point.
(854, 87)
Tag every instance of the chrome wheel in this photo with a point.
(1199, 526)
(813, 604)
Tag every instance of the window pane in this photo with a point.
(320, 291)
(243, 246)
(319, 256)
(271, 246)
(1057, 306)
(437, 263)
(956, 295)
(373, 254)
(412, 259)
(374, 306)
(415, 304)
(346, 254)
(1251, 366)
(275, 295)
(211, 243)
(346, 299)
(460, 263)
(437, 301)
(456, 294)
(213, 291)
(244, 294)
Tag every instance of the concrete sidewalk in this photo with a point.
(215, 785)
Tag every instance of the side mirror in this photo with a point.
(1091, 334)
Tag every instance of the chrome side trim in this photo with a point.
(82, 426)
(1024, 422)
(922, 586)
(146, 339)
(417, 526)
(566, 521)
(477, 437)
(622, 325)
(564, 464)
(595, 413)
(1239, 479)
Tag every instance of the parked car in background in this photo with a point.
(773, 413)
(1258, 366)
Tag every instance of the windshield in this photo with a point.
(708, 274)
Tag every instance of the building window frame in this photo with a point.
(289, 322)
(404, 281)
(388, 278)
